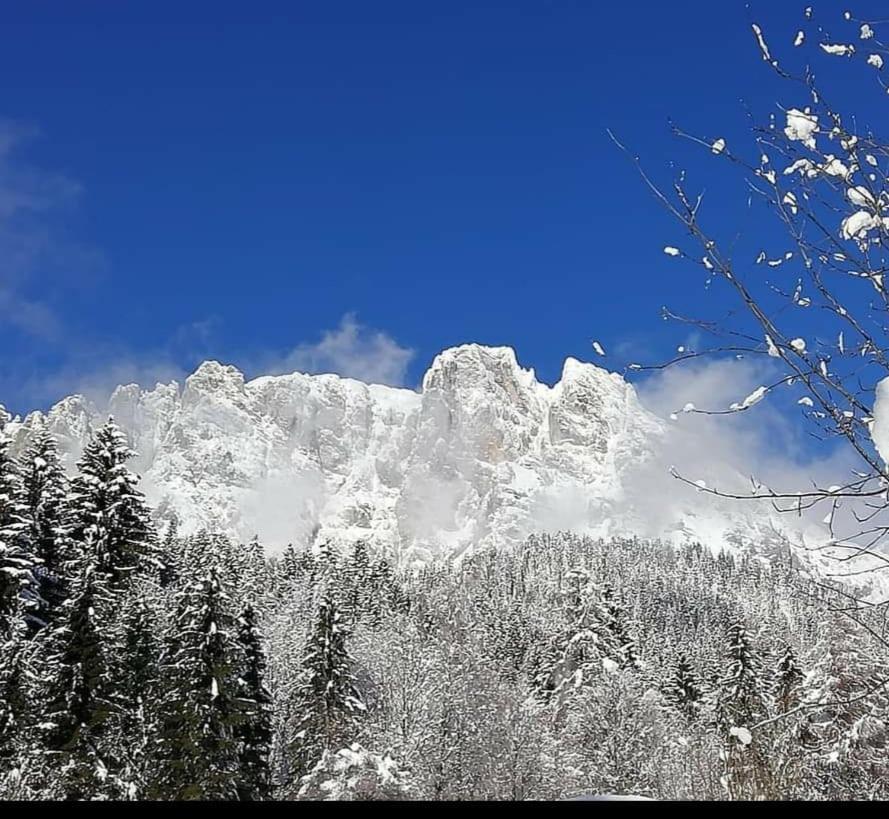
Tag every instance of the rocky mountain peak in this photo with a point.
(483, 455)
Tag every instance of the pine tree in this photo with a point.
(254, 733)
(357, 576)
(169, 565)
(252, 570)
(618, 623)
(741, 699)
(683, 690)
(16, 682)
(326, 701)
(138, 688)
(788, 681)
(586, 644)
(17, 560)
(741, 704)
(77, 700)
(107, 509)
(197, 746)
(354, 774)
(44, 496)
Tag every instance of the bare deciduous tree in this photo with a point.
(815, 306)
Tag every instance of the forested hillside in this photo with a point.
(142, 665)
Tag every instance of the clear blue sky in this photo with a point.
(228, 180)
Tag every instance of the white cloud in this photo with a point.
(351, 350)
(30, 244)
(95, 370)
(23, 187)
(766, 443)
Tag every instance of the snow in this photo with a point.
(743, 734)
(880, 425)
(838, 49)
(483, 455)
(754, 398)
(798, 345)
(799, 39)
(866, 32)
(671, 251)
(763, 46)
(835, 167)
(718, 146)
(801, 127)
(858, 223)
(860, 196)
(875, 60)
(598, 348)
(609, 666)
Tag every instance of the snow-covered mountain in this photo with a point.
(483, 454)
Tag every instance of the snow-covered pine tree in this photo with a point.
(197, 746)
(355, 774)
(586, 643)
(17, 560)
(740, 704)
(254, 579)
(107, 508)
(254, 732)
(16, 685)
(168, 555)
(683, 689)
(618, 622)
(741, 698)
(45, 490)
(325, 703)
(789, 678)
(76, 701)
(357, 574)
(137, 691)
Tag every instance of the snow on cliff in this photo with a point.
(482, 455)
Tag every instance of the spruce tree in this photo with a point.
(358, 578)
(254, 732)
(586, 643)
(788, 681)
(77, 702)
(683, 690)
(740, 704)
(741, 698)
(326, 702)
(138, 685)
(108, 509)
(17, 560)
(44, 496)
(197, 744)
(618, 623)
(168, 556)
(16, 683)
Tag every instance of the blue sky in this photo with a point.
(353, 185)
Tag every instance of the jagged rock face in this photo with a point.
(483, 455)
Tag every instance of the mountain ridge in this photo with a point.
(482, 455)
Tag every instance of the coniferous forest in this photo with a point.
(138, 664)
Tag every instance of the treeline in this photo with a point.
(139, 666)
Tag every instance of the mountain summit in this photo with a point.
(483, 455)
